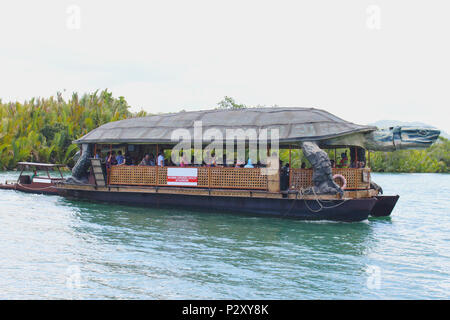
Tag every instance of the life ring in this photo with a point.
(344, 181)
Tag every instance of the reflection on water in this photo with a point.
(58, 248)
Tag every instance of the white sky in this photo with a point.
(172, 55)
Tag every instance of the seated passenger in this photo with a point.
(128, 159)
(120, 159)
(147, 161)
(111, 160)
(160, 160)
(183, 161)
(249, 164)
(344, 161)
(239, 164)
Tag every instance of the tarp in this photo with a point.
(294, 125)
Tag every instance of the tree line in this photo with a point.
(42, 130)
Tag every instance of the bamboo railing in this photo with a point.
(208, 177)
(231, 178)
(357, 179)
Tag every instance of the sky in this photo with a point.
(361, 60)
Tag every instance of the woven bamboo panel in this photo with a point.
(236, 178)
(132, 175)
(302, 178)
(162, 176)
(239, 178)
(202, 177)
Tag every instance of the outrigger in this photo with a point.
(40, 184)
(308, 194)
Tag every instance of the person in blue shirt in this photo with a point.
(120, 159)
(249, 164)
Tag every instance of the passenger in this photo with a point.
(239, 164)
(286, 168)
(160, 160)
(147, 161)
(128, 159)
(111, 161)
(212, 162)
(107, 157)
(344, 160)
(184, 161)
(152, 160)
(120, 159)
(249, 164)
(333, 164)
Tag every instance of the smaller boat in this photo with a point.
(40, 182)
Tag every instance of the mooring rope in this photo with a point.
(302, 193)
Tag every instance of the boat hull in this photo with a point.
(37, 188)
(384, 206)
(350, 210)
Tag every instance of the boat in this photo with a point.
(325, 191)
(39, 184)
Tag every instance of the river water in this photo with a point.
(53, 248)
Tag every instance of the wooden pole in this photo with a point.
(335, 156)
(157, 175)
(290, 168)
(108, 172)
(60, 173)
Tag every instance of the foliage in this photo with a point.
(229, 103)
(434, 159)
(42, 130)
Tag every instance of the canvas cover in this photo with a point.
(294, 125)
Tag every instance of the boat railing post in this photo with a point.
(209, 177)
(60, 173)
(21, 171)
(290, 168)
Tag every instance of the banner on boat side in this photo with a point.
(182, 176)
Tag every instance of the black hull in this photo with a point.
(384, 206)
(334, 210)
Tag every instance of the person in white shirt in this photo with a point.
(160, 160)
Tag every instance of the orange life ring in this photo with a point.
(344, 181)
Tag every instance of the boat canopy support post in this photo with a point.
(290, 167)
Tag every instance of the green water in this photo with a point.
(55, 248)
